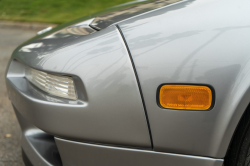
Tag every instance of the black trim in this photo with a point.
(237, 149)
(137, 79)
(26, 160)
(95, 28)
(209, 86)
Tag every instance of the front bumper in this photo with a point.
(40, 148)
(76, 153)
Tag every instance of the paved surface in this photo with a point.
(25, 25)
(10, 134)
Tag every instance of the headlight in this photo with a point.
(61, 86)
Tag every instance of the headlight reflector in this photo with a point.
(62, 86)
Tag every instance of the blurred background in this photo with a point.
(19, 21)
(49, 11)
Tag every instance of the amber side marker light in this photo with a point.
(185, 97)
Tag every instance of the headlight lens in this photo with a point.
(61, 86)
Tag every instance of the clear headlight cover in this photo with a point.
(61, 86)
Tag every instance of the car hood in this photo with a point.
(97, 21)
(77, 30)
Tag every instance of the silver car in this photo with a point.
(147, 83)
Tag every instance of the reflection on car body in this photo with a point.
(162, 82)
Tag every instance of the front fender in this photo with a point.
(193, 42)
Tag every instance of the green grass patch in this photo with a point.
(52, 11)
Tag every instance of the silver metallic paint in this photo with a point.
(121, 12)
(112, 113)
(39, 146)
(198, 42)
(193, 42)
(76, 153)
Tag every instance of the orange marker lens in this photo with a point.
(186, 97)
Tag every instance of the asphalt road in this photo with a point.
(10, 133)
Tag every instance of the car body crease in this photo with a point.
(138, 83)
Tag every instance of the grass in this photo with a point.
(52, 11)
